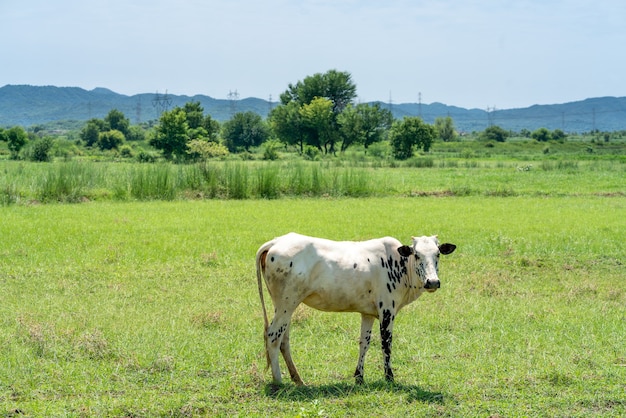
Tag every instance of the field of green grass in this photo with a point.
(151, 308)
(129, 289)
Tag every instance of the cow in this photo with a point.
(375, 278)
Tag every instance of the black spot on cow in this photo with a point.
(380, 304)
(272, 259)
(290, 264)
(388, 287)
(368, 260)
(354, 265)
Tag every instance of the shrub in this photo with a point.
(40, 150)
(270, 149)
(126, 151)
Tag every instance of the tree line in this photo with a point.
(317, 115)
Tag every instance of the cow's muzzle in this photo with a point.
(432, 285)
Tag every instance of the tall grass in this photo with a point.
(80, 181)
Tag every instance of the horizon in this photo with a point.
(494, 109)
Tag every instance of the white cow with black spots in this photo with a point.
(375, 278)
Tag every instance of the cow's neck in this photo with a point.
(414, 288)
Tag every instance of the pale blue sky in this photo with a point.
(468, 53)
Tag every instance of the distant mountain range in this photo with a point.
(26, 106)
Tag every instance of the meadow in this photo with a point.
(146, 305)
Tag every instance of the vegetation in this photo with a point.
(151, 309)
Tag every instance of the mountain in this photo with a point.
(26, 105)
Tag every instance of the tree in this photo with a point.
(90, 132)
(16, 138)
(111, 139)
(244, 130)
(494, 133)
(203, 150)
(445, 128)
(171, 134)
(363, 124)
(334, 85)
(541, 135)
(115, 120)
(287, 124)
(558, 135)
(318, 117)
(40, 150)
(409, 133)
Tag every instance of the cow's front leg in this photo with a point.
(367, 322)
(386, 336)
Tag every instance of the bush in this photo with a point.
(270, 149)
(40, 150)
(126, 151)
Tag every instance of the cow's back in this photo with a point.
(328, 275)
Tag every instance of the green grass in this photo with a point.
(151, 309)
(24, 183)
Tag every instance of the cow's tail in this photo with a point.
(260, 271)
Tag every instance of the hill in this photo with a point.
(26, 106)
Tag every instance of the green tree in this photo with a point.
(318, 117)
(116, 120)
(363, 124)
(409, 133)
(336, 86)
(90, 132)
(287, 124)
(16, 138)
(111, 139)
(541, 135)
(244, 130)
(445, 128)
(494, 133)
(558, 135)
(171, 135)
(40, 150)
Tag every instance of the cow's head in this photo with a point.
(426, 251)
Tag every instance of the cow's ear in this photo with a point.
(447, 248)
(405, 251)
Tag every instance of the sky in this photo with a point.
(482, 54)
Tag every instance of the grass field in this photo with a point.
(151, 308)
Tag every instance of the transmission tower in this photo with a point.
(233, 96)
(390, 103)
(270, 105)
(161, 103)
(138, 111)
(419, 104)
(490, 115)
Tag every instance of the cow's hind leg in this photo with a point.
(276, 332)
(367, 322)
(286, 351)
